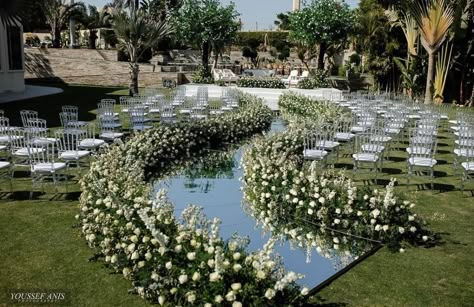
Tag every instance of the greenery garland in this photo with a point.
(178, 261)
(296, 202)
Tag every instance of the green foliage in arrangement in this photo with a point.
(261, 82)
(303, 203)
(317, 79)
(202, 76)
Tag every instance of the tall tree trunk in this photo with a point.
(205, 56)
(429, 78)
(134, 71)
(322, 52)
(216, 59)
(56, 38)
(92, 39)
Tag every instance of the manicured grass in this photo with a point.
(438, 276)
(42, 249)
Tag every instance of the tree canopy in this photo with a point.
(323, 23)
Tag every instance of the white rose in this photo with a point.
(236, 256)
(135, 255)
(214, 276)
(270, 293)
(304, 291)
(237, 267)
(183, 278)
(236, 286)
(191, 256)
(168, 265)
(261, 275)
(196, 276)
(230, 296)
(218, 299)
(236, 304)
(178, 248)
(191, 297)
(161, 299)
(401, 230)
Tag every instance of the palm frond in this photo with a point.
(443, 65)
(9, 12)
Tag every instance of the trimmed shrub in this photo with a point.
(260, 82)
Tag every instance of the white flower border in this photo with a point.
(178, 261)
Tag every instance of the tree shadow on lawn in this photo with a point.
(84, 97)
(319, 301)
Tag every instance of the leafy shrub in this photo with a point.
(318, 79)
(261, 82)
(202, 76)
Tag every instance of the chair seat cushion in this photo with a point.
(381, 138)
(4, 164)
(91, 143)
(366, 157)
(43, 141)
(141, 127)
(74, 155)
(185, 111)
(111, 125)
(372, 148)
(6, 139)
(48, 167)
(418, 150)
(314, 154)
(23, 152)
(3, 147)
(216, 112)
(468, 166)
(111, 135)
(464, 152)
(344, 136)
(423, 162)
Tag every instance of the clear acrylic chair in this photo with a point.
(367, 152)
(43, 166)
(138, 121)
(421, 155)
(68, 148)
(167, 112)
(88, 140)
(463, 145)
(110, 130)
(312, 147)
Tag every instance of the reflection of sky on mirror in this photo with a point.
(222, 198)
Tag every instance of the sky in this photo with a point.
(254, 13)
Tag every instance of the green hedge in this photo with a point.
(243, 37)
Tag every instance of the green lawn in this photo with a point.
(42, 248)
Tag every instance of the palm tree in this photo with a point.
(57, 14)
(434, 18)
(93, 20)
(9, 12)
(136, 33)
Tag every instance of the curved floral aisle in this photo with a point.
(180, 261)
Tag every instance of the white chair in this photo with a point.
(88, 140)
(69, 148)
(293, 79)
(421, 156)
(218, 75)
(6, 172)
(167, 112)
(367, 153)
(43, 165)
(138, 121)
(27, 117)
(38, 132)
(110, 130)
(312, 147)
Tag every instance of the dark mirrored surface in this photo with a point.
(215, 186)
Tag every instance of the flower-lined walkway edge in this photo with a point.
(178, 261)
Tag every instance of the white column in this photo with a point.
(72, 26)
(296, 5)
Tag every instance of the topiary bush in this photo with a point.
(317, 79)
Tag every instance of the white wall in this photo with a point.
(10, 80)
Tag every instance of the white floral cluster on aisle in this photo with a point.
(308, 207)
(171, 261)
(261, 82)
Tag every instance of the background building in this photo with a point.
(11, 57)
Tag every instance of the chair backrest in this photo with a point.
(314, 140)
(294, 73)
(4, 123)
(2, 113)
(67, 119)
(38, 127)
(422, 146)
(181, 91)
(305, 74)
(105, 108)
(124, 103)
(43, 154)
(17, 138)
(27, 115)
(72, 111)
(67, 141)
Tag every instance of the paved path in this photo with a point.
(31, 91)
(270, 96)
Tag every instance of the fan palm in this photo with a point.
(9, 12)
(434, 19)
(57, 14)
(94, 19)
(136, 33)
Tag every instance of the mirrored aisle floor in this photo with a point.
(215, 186)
